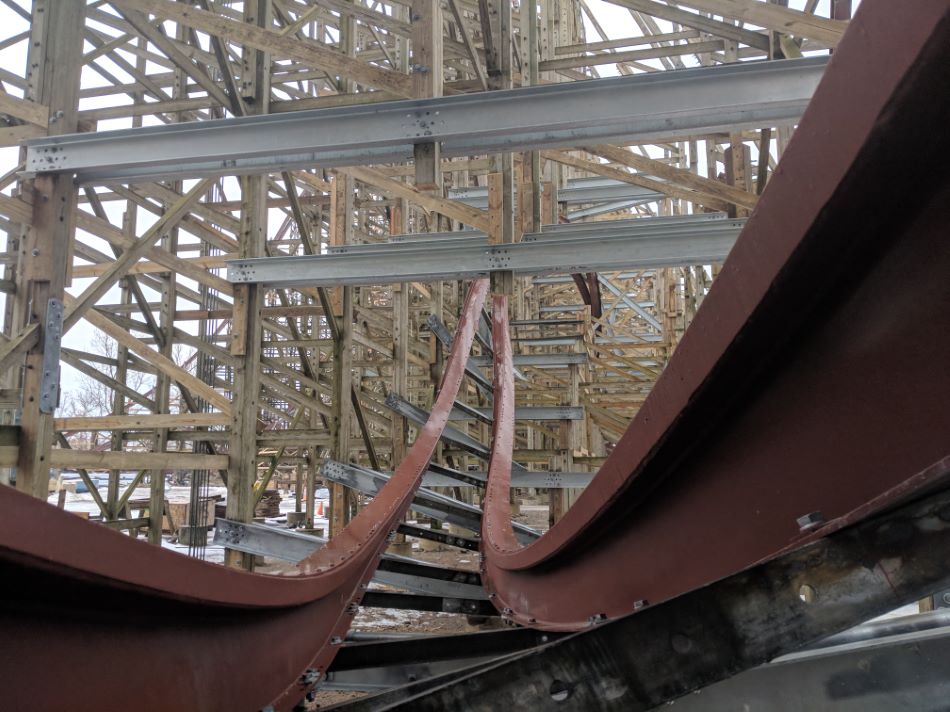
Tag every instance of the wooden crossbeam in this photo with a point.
(669, 189)
(162, 363)
(677, 176)
(27, 111)
(116, 460)
(450, 208)
(142, 422)
(776, 18)
(132, 253)
(310, 52)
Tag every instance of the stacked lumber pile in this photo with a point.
(269, 506)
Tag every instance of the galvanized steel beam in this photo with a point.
(594, 247)
(427, 502)
(398, 571)
(634, 108)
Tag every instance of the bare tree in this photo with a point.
(93, 397)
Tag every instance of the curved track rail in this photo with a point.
(812, 379)
(100, 619)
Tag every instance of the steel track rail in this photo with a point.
(812, 379)
(174, 632)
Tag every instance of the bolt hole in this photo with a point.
(560, 691)
(807, 593)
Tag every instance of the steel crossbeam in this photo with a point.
(633, 108)
(398, 571)
(578, 191)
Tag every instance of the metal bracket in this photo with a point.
(52, 339)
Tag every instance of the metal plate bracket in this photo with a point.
(53, 336)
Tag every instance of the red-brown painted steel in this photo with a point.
(94, 620)
(813, 378)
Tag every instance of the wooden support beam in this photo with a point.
(593, 60)
(118, 269)
(453, 209)
(776, 18)
(203, 262)
(55, 46)
(162, 363)
(25, 110)
(153, 34)
(341, 422)
(601, 169)
(309, 52)
(142, 422)
(759, 40)
(465, 31)
(246, 323)
(677, 176)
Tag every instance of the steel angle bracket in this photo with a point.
(52, 340)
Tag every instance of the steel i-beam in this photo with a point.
(633, 108)
(594, 247)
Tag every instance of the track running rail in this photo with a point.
(172, 632)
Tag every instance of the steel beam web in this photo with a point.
(787, 396)
(633, 108)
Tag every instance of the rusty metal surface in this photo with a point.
(814, 376)
(91, 619)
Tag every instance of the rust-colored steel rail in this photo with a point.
(814, 377)
(92, 619)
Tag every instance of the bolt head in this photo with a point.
(809, 521)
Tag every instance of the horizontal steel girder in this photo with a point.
(537, 360)
(432, 504)
(663, 226)
(543, 480)
(598, 247)
(578, 191)
(541, 412)
(398, 571)
(456, 437)
(634, 109)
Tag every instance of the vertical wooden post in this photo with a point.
(400, 381)
(118, 399)
(426, 66)
(246, 317)
(341, 496)
(341, 233)
(166, 325)
(311, 486)
(53, 80)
